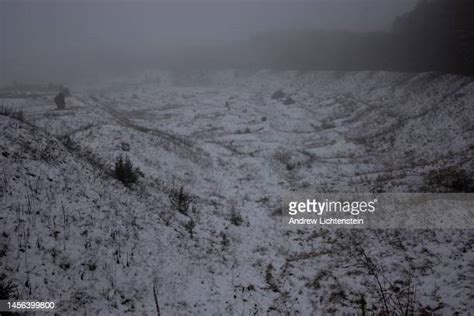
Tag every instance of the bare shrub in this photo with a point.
(69, 143)
(278, 95)
(285, 158)
(124, 146)
(393, 297)
(288, 101)
(236, 218)
(189, 226)
(449, 180)
(269, 278)
(7, 288)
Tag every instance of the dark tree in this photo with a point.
(126, 172)
(60, 100)
(180, 200)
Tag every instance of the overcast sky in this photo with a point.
(41, 35)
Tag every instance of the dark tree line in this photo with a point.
(437, 35)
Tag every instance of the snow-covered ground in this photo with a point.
(74, 234)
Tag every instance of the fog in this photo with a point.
(68, 41)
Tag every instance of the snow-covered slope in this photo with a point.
(74, 234)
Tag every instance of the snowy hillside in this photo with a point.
(236, 141)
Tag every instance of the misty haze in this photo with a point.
(149, 150)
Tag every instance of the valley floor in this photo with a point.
(237, 142)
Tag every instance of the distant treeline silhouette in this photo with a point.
(437, 35)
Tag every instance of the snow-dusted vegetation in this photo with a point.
(211, 154)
